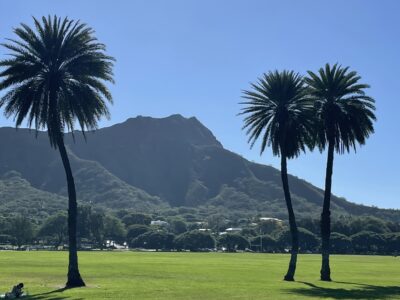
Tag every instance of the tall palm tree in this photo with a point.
(344, 117)
(55, 78)
(280, 115)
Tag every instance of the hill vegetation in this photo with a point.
(147, 164)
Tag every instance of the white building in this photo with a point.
(159, 223)
(233, 229)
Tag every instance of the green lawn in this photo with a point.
(137, 275)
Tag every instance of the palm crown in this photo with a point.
(55, 77)
(279, 110)
(344, 113)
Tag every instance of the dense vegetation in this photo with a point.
(186, 230)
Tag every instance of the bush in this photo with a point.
(233, 242)
(195, 240)
(178, 226)
(340, 243)
(154, 240)
(367, 242)
(135, 230)
(7, 239)
(392, 243)
(308, 241)
(266, 242)
(136, 218)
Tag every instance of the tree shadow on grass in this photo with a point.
(52, 295)
(362, 291)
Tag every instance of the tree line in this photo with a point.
(99, 230)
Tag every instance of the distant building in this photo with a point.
(271, 219)
(159, 223)
(233, 229)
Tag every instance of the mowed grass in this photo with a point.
(143, 275)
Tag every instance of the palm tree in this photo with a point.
(344, 116)
(55, 79)
(279, 113)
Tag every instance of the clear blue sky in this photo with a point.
(195, 57)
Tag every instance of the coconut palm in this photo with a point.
(55, 79)
(344, 117)
(279, 114)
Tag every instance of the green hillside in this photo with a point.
(150, 164)
(17, 196)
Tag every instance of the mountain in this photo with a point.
(40, 165)
(153, 163)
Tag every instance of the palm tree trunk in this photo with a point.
(74, 277)
(326, 216)
(292, 222)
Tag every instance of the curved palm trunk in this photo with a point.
(326, 216)
(292, 222)
(74, 277)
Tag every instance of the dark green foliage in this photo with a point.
(270, 226)
(98, 227)
(349, 225)
(278, 111)
(154, 240)
(265, 243)
(22, 229)
(4, 225)
(114, 229)
(7, 239)
(367, 242)
(392, 243)
(341, 243)
(17, 196)
(194, 241)
(233, 242)
(177, 226)
(311, 224)
(307, 240)
(55, 229)
(135, 230)
(83, 226)
(369, 224)
(249, 232)
(136, 218)
(217, 222)
(94, 227)
(344, 113)
(55, 77)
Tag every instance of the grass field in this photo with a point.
(137, 275)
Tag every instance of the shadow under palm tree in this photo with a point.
(362, 291)
(52, 295)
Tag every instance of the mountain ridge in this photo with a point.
(145, 163)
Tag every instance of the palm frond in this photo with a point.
(55, 76)
(344, 114)
(277, 111)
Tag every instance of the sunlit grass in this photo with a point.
(137, 275)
